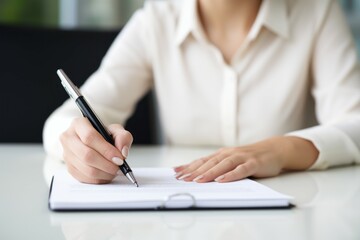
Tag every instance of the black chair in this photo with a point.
(30, 89)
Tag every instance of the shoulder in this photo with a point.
(161, 12)
(310, 6)
(157, 21)
(310, 13)
(163, 7)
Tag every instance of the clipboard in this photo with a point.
(159, 190)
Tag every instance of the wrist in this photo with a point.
(298, 153)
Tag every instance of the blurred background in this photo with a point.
(37, 37)
(104, 14)
(352, 10)
(108, 14)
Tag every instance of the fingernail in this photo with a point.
(125, 151)
(178, 174)
(219, 178)
(119, 172)
(184, 176)
(117, 161)
(198, 178)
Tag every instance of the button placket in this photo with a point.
(229, 107)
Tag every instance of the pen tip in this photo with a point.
(136, 184)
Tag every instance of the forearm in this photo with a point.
(55, 125)
(297, 153)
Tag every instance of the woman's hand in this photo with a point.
(263, 159)
(89, 157)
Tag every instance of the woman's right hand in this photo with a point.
(89, 157)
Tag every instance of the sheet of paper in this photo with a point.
(155, 186)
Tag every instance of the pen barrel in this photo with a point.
(99, 126)
(125, 168)
(93, 119)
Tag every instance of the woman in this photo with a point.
(236, 74)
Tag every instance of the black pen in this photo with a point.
(95, 121)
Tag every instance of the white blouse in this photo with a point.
(296, 74)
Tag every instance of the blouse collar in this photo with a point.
(272, 15)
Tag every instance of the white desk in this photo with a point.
(327, 205)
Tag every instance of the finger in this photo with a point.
(180, 168)
(200, 166)
(86, 156)
(216, 168)
(244, 170)
(122, 138)
(203, 170)
(83, 178)
(93, 139)
(88, 171)
(189, 168)
(186, 170)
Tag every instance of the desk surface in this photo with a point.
(327, 205)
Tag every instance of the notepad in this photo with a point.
(159, 189)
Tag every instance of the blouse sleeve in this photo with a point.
(123, 77)
(336, 90)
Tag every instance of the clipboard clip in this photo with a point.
(169, 201)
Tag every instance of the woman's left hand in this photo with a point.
(263, 159)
